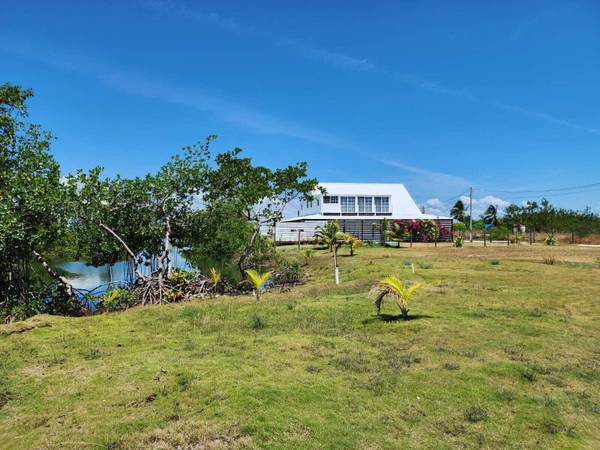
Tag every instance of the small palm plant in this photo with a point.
(308, 254)
(215, 277)
(351, 241)
(394, 287)
(328, 234)
(258, 280)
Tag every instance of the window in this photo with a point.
(365, 204)
(330, 199)
(382, 204)
(309, 203)
(348, 204)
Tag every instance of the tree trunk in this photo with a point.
(404, 313)
(62, 280)
(168, 246)
(248, 249)
(127, 249)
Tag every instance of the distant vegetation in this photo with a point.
(537, 217)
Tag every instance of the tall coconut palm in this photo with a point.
(394, 287)
(458, 211)
(490, 216)
(258, 280)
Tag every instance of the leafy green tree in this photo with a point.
(141, 218)
(257, 194)
(218, 232)
(32, 202)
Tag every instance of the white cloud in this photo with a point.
(437, 206)
(342, 61)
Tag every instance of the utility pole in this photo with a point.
(471, 214)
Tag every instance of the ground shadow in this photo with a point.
(395, 318)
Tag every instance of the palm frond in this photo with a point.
(258, 279)
(215, 276)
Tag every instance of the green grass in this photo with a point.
(495, 356)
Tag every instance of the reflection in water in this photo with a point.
(83, 276)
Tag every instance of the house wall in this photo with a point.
(287, 232)
(401, 203)
(364, 229)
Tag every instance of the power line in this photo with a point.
(533, 191)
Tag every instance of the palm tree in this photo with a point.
(458, 211)
(490, 216)
(258, 280)
(215, 278)
(396, 288)
(350, 240)
(328, 234)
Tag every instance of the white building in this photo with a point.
(358, 207)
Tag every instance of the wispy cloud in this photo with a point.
(531, 23)
(435, 87)
(544, 117)
(315, 53)
(337, 60)
(195, 98)
(436, 179)
(343, 61)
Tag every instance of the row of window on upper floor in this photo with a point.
(365, 204)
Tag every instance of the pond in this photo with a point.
(84, 276)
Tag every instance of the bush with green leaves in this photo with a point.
(550, 239)
(458, 241)
(116, 299)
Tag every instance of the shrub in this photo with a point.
(550, 260)
(476, 414)
(529, 375)
(550, 239)
(308, 254)
(458, 241)
(257, 322)
(505, 395)
(495, 262)
(116, 299)
(424, 265)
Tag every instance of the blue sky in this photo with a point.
(501, 96)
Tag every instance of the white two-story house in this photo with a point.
(358, 208)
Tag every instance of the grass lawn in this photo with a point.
(503, 351)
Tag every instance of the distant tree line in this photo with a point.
(540, 217)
